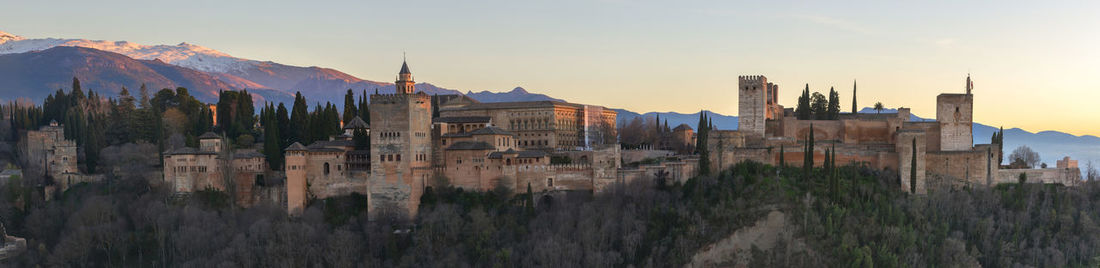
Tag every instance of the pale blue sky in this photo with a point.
(1036, 65)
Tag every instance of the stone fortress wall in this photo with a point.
(946, 156)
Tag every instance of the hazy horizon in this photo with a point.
(1033, 64)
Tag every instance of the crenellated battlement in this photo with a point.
(398, 98)
(751, 79)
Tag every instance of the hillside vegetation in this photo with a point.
(861, 222)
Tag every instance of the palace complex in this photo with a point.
(552, 146)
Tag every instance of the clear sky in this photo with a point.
(1035, 64)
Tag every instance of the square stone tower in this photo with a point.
(400, 150)
(955, 113)
(752, 95)
(296, 185)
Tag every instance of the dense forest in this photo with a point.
(847, 216)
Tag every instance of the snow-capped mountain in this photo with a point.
(222, 71)
(323, 84)
(184, 55)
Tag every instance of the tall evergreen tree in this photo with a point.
(299, 120)
(802, 111)
(364, 110)
(282, 118)
(808, 158)
(273, 149)
(145, 119)
(834, 105)
(701, 144)
(76, 84)
(854, 106)
(782, 160)
(913, 168)
(226, 109)
(350, 110)
(245, 117)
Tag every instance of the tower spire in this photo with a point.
(404, 83)
(969, 84)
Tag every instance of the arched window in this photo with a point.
(326, 169)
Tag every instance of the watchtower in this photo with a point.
(296, 185)
(400, 148)
(955, 113)
(752, 104)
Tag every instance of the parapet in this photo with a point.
(398, 97)
(752, 79)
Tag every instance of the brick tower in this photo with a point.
(955, 112)
(752, 101)
(400, 148)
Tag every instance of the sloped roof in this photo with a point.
(404, 68)
(470, 145)
(462, 119)
(209, 135)
(519, 154)
(452, 135)
(249, 154)
(332, 143)
(356, 123)
(295, 147)
(187, 150)
(682, 127)
(490, 130)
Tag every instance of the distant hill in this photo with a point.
(517, 94)
(37, 74)
(196, 67)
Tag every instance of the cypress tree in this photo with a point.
(808, 159)
(245, 114)
(701, 146)
(782, 162)
(350, 110)
(854, 107)
(803, 111)
(273, 150)
(833, 109)
(913, 169)
(699, 138)
(299, 120)
(364, 111)
(282, 119)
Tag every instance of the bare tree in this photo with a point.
(1026, 155)
(1090, 171)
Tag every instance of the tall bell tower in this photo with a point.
(404, 83)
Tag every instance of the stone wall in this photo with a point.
(677, 171)
(1064, 176)
(631, 156)
(905, 148)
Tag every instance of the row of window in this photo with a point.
(189, 169)
(534, 143)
